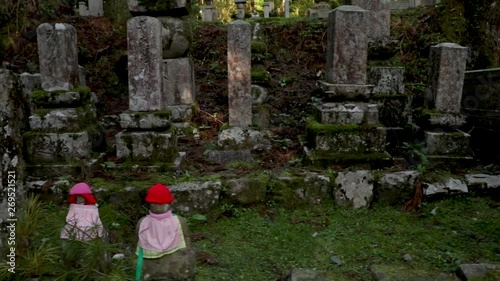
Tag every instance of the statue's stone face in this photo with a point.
(159, 208)
(80, 200)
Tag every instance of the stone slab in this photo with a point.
(352, 141)
(347, 48)
(396, 188)
(30, 82)
(178, 82)
(236, 138)
(57, 147)
(476, 271)
(442, 143)
(67, 119)
(452, 120)
(379, 17)
(349, 91)
(145, 120)
(147, 146)
(354, 189)
(246, 191)
(42, 99)
(176, 37)
(347, 113)
(180, 113)
(446, 187)
(145, 63)
(229, 156)
(196, 197)
(482, 181)
(387, 80)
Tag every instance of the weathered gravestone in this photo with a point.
(379, 18)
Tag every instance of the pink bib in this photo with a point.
(160, 232)
(82, 223)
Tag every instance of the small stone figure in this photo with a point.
(82, 222)
(164, 246)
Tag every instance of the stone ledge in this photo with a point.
(147, 146)
(347, 113)
(67, 119)
(350, 91)
(146, 120)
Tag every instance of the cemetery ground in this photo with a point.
(265, 242)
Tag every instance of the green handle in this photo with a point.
(139, 265)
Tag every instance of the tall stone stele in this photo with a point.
(443, 102)
(379, 18)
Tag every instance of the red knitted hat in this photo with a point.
(159, 194)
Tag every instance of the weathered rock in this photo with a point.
(379, 18)
(175, 37)
(482, 181)
(247, 190)
(145, 63)
(360, 141)
(449, 186)
(68, 119)
(30, 82)
(451, 120)
(58, 99)
(238, 138)
(239, 76)
(195, 197)
(178, 82)
(475, 271)
(396, 188)
(146, 146)
(57, 147)
(347, 50)
(12, 120)
(347, 113)
(448, 62)
(145, 120)
(58, 55)
(441, 143)
(308, 275)
(354, 189)
(349, 91)
(315, 189)
(229, 156)
(180, 113)
(387, 80)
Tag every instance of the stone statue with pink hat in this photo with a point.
(164, 248)
(82, 222)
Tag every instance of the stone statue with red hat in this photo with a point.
(82, 222)
(164, 248)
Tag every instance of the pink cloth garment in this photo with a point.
(82, 223)
(160, 232)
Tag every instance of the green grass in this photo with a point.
(250, 246)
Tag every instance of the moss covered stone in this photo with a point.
(258, 47)
(260, 75)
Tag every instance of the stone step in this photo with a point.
(350, 91)
(62, 99)
(59, 119)
(347, 113)
(147, 146)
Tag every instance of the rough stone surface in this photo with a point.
(448, 62)
(239, 76)
(30, 82)
(52, 147)
(178, 82)
(482, 181)
(96, 8)
(396, 188)
(347, 113)
(479, 270)
(180, 113)
(352, 141)
(146, 146)
(175, 37)
(11, 144)
(246, 190)
(55, 99)
(196, 197)
(58, 55)
(354, 189)
(68, 119)
(316, 188)
(447, 119)
(349, 91)
(387, 80)
(228, 156)
(308, 275)
(379, 18)
(145, 63)
(440, 143)
(347, 48)
(449, 186)
(179, 266)
(144, 121)
(238, 138)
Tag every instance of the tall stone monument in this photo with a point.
(379, 18)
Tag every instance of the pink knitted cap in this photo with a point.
(80, 188)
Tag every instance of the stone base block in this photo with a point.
(451, 144)
(387, 80)
(180, 113)
(373, 160)
(347, 113)
(196, 197)
(159, 120)
(61, 99)
(228, 156)
(67, 119)
(350, 91)
(147, 146)
(354, 189)
(50, 171)
(57, 147)
(347, 140)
